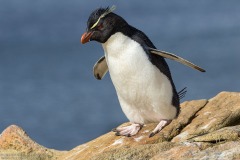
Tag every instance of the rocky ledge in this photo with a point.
(205, 129)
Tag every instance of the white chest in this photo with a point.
(143, 91)
(126, 60)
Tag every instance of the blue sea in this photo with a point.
(46, 81)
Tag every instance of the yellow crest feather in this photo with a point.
(109, 10)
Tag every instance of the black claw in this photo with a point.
(151, 135)
(114, 130)
(117, 134)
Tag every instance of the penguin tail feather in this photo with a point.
(182, 93)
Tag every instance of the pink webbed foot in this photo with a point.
(128, 130)
(159, 127)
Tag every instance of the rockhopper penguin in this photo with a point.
(138, 70)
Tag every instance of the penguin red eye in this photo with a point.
(100, 26)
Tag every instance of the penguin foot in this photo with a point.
(159, 127)
(128, 131)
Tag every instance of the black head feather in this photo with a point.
(95, 16)
(102, 23)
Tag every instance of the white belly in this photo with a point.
(144, 93)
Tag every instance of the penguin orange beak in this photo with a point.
(86, 37)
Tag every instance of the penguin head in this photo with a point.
(102, 23)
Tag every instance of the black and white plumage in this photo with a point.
(138, 70)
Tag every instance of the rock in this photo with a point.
(187, 114)
(225, 151)
(139, 152)
(205, 129)
(16, 144)
(224, 134)
(220, 111)
(110, 143)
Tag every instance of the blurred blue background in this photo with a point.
(46, 81)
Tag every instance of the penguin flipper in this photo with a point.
(176, 58)
(100, 68)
